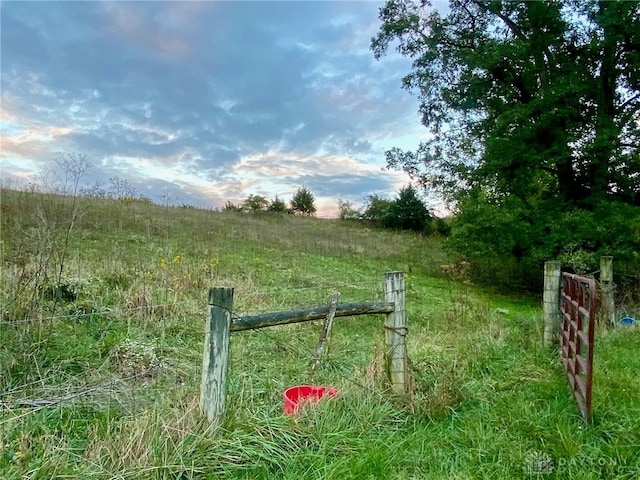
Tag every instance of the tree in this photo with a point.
(532, 111)
(376, 210)
(303, 202)
(347, 210)
(277, 206)
(255, 203)
(523, 98)
(408, 212)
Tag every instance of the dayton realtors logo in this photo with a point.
(538, 463)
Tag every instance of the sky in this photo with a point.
(200, 103)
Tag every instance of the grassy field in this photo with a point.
(101, 337)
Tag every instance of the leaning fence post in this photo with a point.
(395, 334)
(607, 288)
(216, 355)
(551, 301)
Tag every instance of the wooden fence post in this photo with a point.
(216, 355)
(326, 331)
(551, 302)
(396, 362)
(607, 288)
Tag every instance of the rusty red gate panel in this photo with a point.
(578, 306)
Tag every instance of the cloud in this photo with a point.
(130, 22)
(239, 95)
(283, 172)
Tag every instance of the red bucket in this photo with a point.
(296, 396)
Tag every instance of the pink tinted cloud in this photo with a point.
(133, 24)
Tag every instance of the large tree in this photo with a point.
(533, 111)
(535, 98)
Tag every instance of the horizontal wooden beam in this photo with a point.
(306, 315)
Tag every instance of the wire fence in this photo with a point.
(151, 355)
(133, 359)
(626, 290)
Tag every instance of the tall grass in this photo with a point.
(104, 382)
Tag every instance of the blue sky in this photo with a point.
(204, 102)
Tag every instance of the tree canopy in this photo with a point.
(277, 206)
(530, 105)
(255, 203)
(524, 98)
(406, 212)
(376, 210)
(303, 202)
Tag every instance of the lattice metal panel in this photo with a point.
(578, 297)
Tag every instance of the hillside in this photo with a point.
(101, 340)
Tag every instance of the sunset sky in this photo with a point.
(204, 102)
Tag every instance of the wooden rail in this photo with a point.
(307, 315)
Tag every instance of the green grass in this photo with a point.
(104, 382)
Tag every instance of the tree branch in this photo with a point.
(630, 100)
(510, 23)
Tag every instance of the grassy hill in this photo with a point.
(101, 337)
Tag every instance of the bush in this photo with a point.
(277, 206)
(347, 212)
(512, 239)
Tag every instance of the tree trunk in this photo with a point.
(606, 131)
